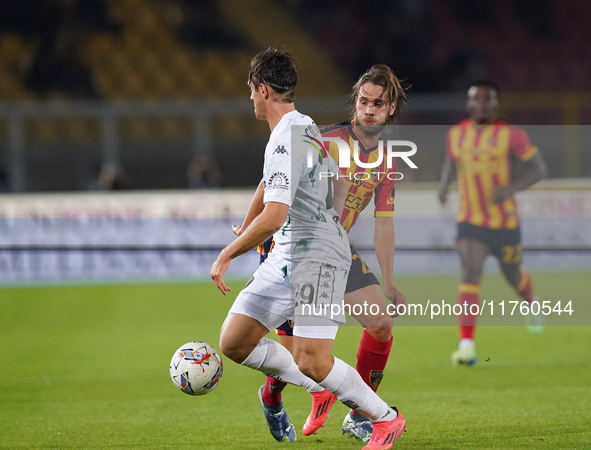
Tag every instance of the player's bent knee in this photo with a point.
(378, 319)
(311, 370)
(236, 351)
(381, 333)
(382, 324)
(313, 366)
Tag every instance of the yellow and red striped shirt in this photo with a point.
(483, 161)
(362, 186)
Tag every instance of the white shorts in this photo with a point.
(268, 297)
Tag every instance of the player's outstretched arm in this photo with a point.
(256, 207)
(262, 228)
(384, 241)
(534, 170)
(448, 175)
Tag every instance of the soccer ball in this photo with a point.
(196, 368)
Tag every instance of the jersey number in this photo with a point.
(305, 294)
(511, 254)
(364, 268)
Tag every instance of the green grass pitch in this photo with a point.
(87, 367)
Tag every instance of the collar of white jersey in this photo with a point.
(284, 119)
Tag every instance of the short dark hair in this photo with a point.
(382, 75)
(276, 68)
(486, 84)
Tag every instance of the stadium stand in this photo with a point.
(459, 40)
(179, 50)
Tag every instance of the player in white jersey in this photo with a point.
(310, 265)
(288, 180)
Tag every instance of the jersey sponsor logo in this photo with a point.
(280, 150)
(357, 182)
(352, 202)
(278, 181)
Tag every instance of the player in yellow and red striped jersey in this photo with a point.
(377, 98)
(363, 182)
(481, 150)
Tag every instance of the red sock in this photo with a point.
(468, 293)
(372, 357)
(524, 287)
(272, 391)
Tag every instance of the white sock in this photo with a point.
(275, 361)
(466, 342)
(344, 382)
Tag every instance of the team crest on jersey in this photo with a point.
(375, 378)
(280, 150)
(278, 181)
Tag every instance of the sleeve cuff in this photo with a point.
(529, 153)
(270, 198)
(384, 214)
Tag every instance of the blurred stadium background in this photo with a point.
(128, 147)
(135, 96)
(150, 85)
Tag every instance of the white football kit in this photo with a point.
(306, 273)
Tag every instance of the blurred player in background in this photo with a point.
(296, 207)
(480, 149)
(377, 98)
